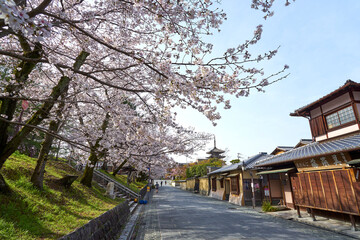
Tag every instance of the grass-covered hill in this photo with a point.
(49, 214)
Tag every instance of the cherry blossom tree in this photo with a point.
(151, 52)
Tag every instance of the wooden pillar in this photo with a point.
(353, 223)
(298, 211)
(292, 192)
(252, 190)
(312, 214)
(282, 189)
(268, 178)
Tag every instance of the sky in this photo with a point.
(319, 40)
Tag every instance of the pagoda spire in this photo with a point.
(214, 141)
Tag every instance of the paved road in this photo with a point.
(177, 214)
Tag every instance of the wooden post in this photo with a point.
(353, 223)
(312, 214)
(252, 190)
(268, 178)
(282, 189)
(298, 211)
(292, 191)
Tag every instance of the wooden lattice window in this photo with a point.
(234, 185)
(213, 184)
(340, 117)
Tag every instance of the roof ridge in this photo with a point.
(335, 148)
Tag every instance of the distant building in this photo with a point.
(233, 183)
(215, 152)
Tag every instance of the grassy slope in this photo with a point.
(135, 186)
(51, 213)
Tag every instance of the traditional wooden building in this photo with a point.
(234, 183)
(275, 182)
(325, 174)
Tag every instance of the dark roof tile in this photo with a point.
(314, 149)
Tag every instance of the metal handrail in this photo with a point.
(118, 185)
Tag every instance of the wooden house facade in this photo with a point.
(237, 183)
(325, 174)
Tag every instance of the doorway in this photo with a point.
(227, 190)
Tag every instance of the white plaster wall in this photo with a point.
(320, 138)
(343, 131)
(235, 199)
(218, 194)
(337, 102)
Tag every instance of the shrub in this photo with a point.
(266, 207)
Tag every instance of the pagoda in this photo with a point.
(215, 152)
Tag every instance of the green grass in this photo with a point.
(49, 214)
(134, 186)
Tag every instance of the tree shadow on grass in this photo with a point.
(14, 211)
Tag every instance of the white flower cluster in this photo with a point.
(17, 20)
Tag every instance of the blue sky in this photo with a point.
(320, 41)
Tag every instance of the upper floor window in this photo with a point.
(340, 117)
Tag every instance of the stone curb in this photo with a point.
(330, 227)
(128, 231)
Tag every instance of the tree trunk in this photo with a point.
(4, 188)
(119, 167)
(104, 166)
(37, 177)
(87, 176)
(8, 106)
(62, 86)
(129, 178)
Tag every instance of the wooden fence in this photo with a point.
(334, 190)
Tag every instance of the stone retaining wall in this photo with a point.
(106, 226)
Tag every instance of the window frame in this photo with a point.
(213, 184)
(338, 117)
(237, 187)
(221, 183)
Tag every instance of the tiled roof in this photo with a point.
(281, 148)
(303, 142)
(314, 149)
(248, 163)
(286, 148)
(251, 162)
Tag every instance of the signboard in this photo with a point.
(334, 161)
(266, 191)
(25, 104)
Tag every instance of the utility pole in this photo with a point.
(252, 190)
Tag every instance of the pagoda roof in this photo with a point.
(215, 150)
